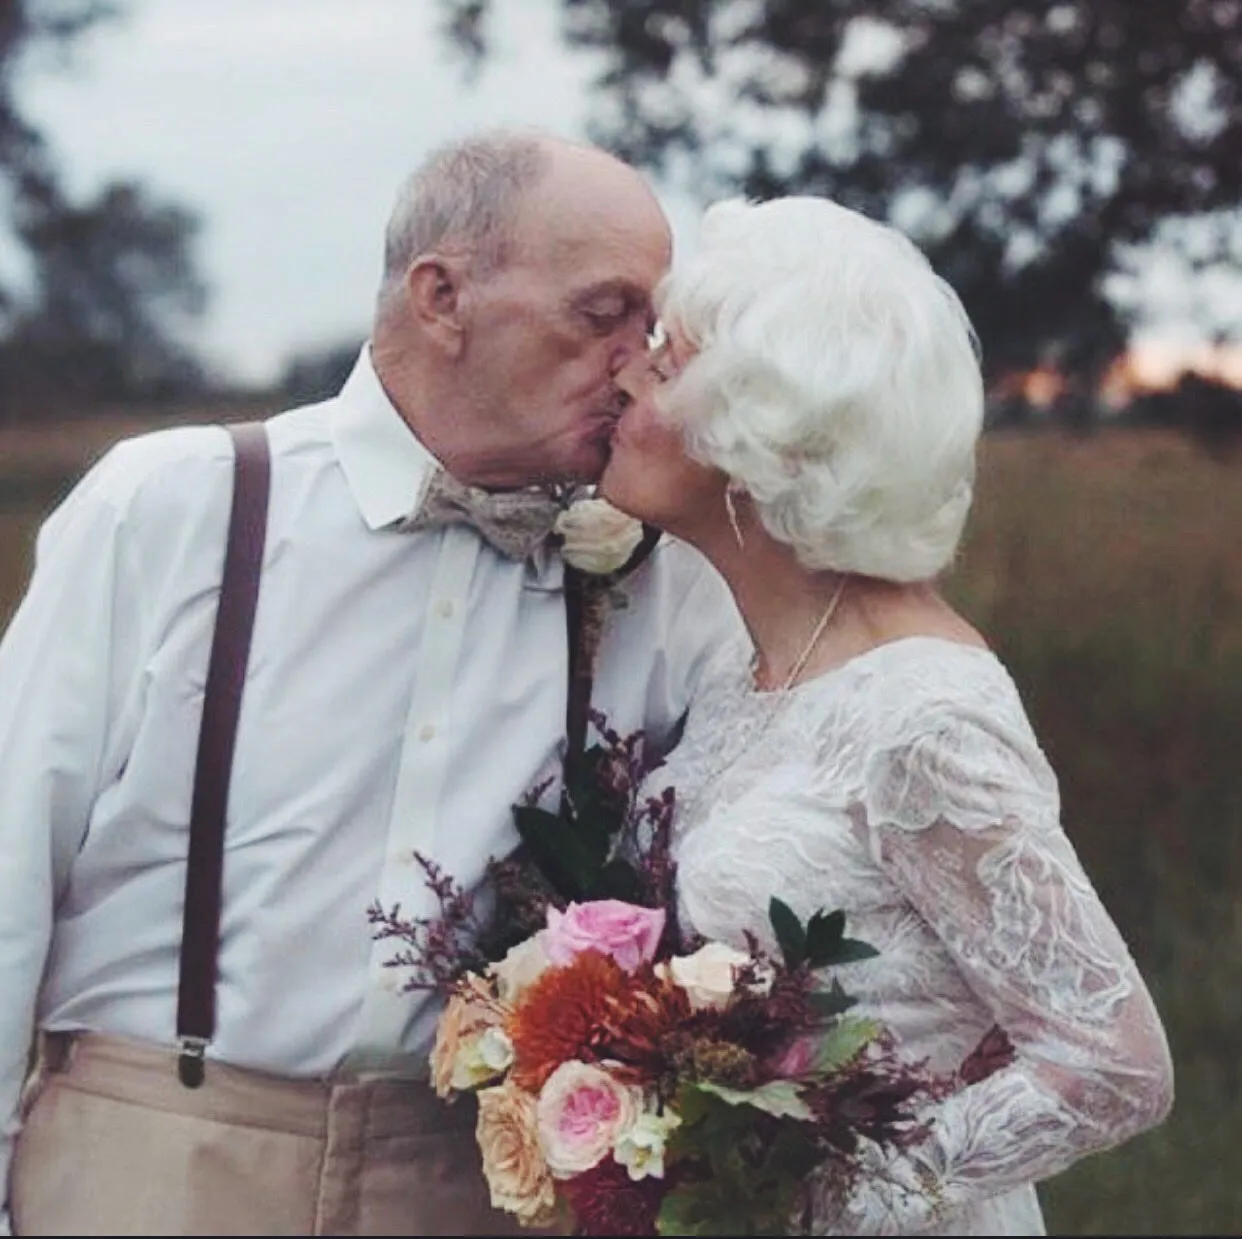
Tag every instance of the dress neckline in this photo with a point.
(858, 661)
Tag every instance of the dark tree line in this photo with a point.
(112, 284)
(1029, 146)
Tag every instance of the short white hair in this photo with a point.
(836, 378)
(465, 194)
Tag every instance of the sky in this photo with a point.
(290, 138)
(288, 125)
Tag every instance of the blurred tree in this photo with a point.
(316, 374)
(112, 281)
(1027, 145)
(114, 284)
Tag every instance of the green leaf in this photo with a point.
(823, 932)
(831, 1001)
(562, 854)
(849, 951)
(790, 935)
(844, 1042)
(618, 879)
(777, 1097)
(827, 945)
(700, 1209)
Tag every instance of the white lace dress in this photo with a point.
(907, 788)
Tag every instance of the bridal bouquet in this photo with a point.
(631, 1079)
(644, 1091)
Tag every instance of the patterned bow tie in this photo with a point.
(515, 522)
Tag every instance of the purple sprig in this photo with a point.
(438, 949)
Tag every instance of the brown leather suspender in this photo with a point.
(222, 693)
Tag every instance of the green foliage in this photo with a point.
(575, 847)
(821, 943)
(730, 1181)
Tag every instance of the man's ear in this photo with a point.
(435, 288)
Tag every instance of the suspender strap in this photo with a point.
(226, 676)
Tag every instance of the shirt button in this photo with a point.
(388, 981)
(427, 732)
(404, 856)
(445, 608)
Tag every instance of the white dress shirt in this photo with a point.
(404, 690)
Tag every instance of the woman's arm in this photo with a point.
(966, 824)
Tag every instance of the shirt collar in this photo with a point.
(385, 465)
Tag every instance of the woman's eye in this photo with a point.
(657, 337)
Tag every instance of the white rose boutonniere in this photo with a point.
(595, 537)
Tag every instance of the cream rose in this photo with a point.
(581, 1113)
(708, 976)
(519, 969)
(513, 1164)
(596, 537)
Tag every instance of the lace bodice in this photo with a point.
(908, 789)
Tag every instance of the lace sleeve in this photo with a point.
(965, 820)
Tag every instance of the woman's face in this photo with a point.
(649, 474)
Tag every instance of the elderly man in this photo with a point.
(406, 683)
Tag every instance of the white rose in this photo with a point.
(596, 537)
(641, 1149)
(482, 1058)
(707, 976)
(520, 968)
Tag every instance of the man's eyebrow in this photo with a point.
(633, 293)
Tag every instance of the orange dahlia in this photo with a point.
(564, 1015)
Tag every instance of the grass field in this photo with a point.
(1108, 572)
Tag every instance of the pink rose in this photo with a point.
(626, 932)
(580, 1114)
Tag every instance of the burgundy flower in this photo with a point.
(606, 1201)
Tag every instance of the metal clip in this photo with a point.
(190, 1061)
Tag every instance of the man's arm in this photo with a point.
(59, 665)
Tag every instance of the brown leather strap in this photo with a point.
(222, 694)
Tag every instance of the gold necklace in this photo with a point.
(803, 658)
(774, 699)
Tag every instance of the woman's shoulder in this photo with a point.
(919, 684)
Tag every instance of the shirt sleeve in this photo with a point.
(61, 659)
(967, 826)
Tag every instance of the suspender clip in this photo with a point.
(190, 1060)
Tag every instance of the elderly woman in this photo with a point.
(810, 424)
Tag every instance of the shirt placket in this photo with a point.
(425, 752)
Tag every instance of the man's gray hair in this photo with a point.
(464, 195)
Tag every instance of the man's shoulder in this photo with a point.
(176, 460)
(185, 465)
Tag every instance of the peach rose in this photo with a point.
(513, 1163)
(466, 1017)
(581, 1113)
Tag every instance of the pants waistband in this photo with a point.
(146, 1075)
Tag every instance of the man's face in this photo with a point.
(548, 334)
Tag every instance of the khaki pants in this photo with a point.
(114, 1144)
